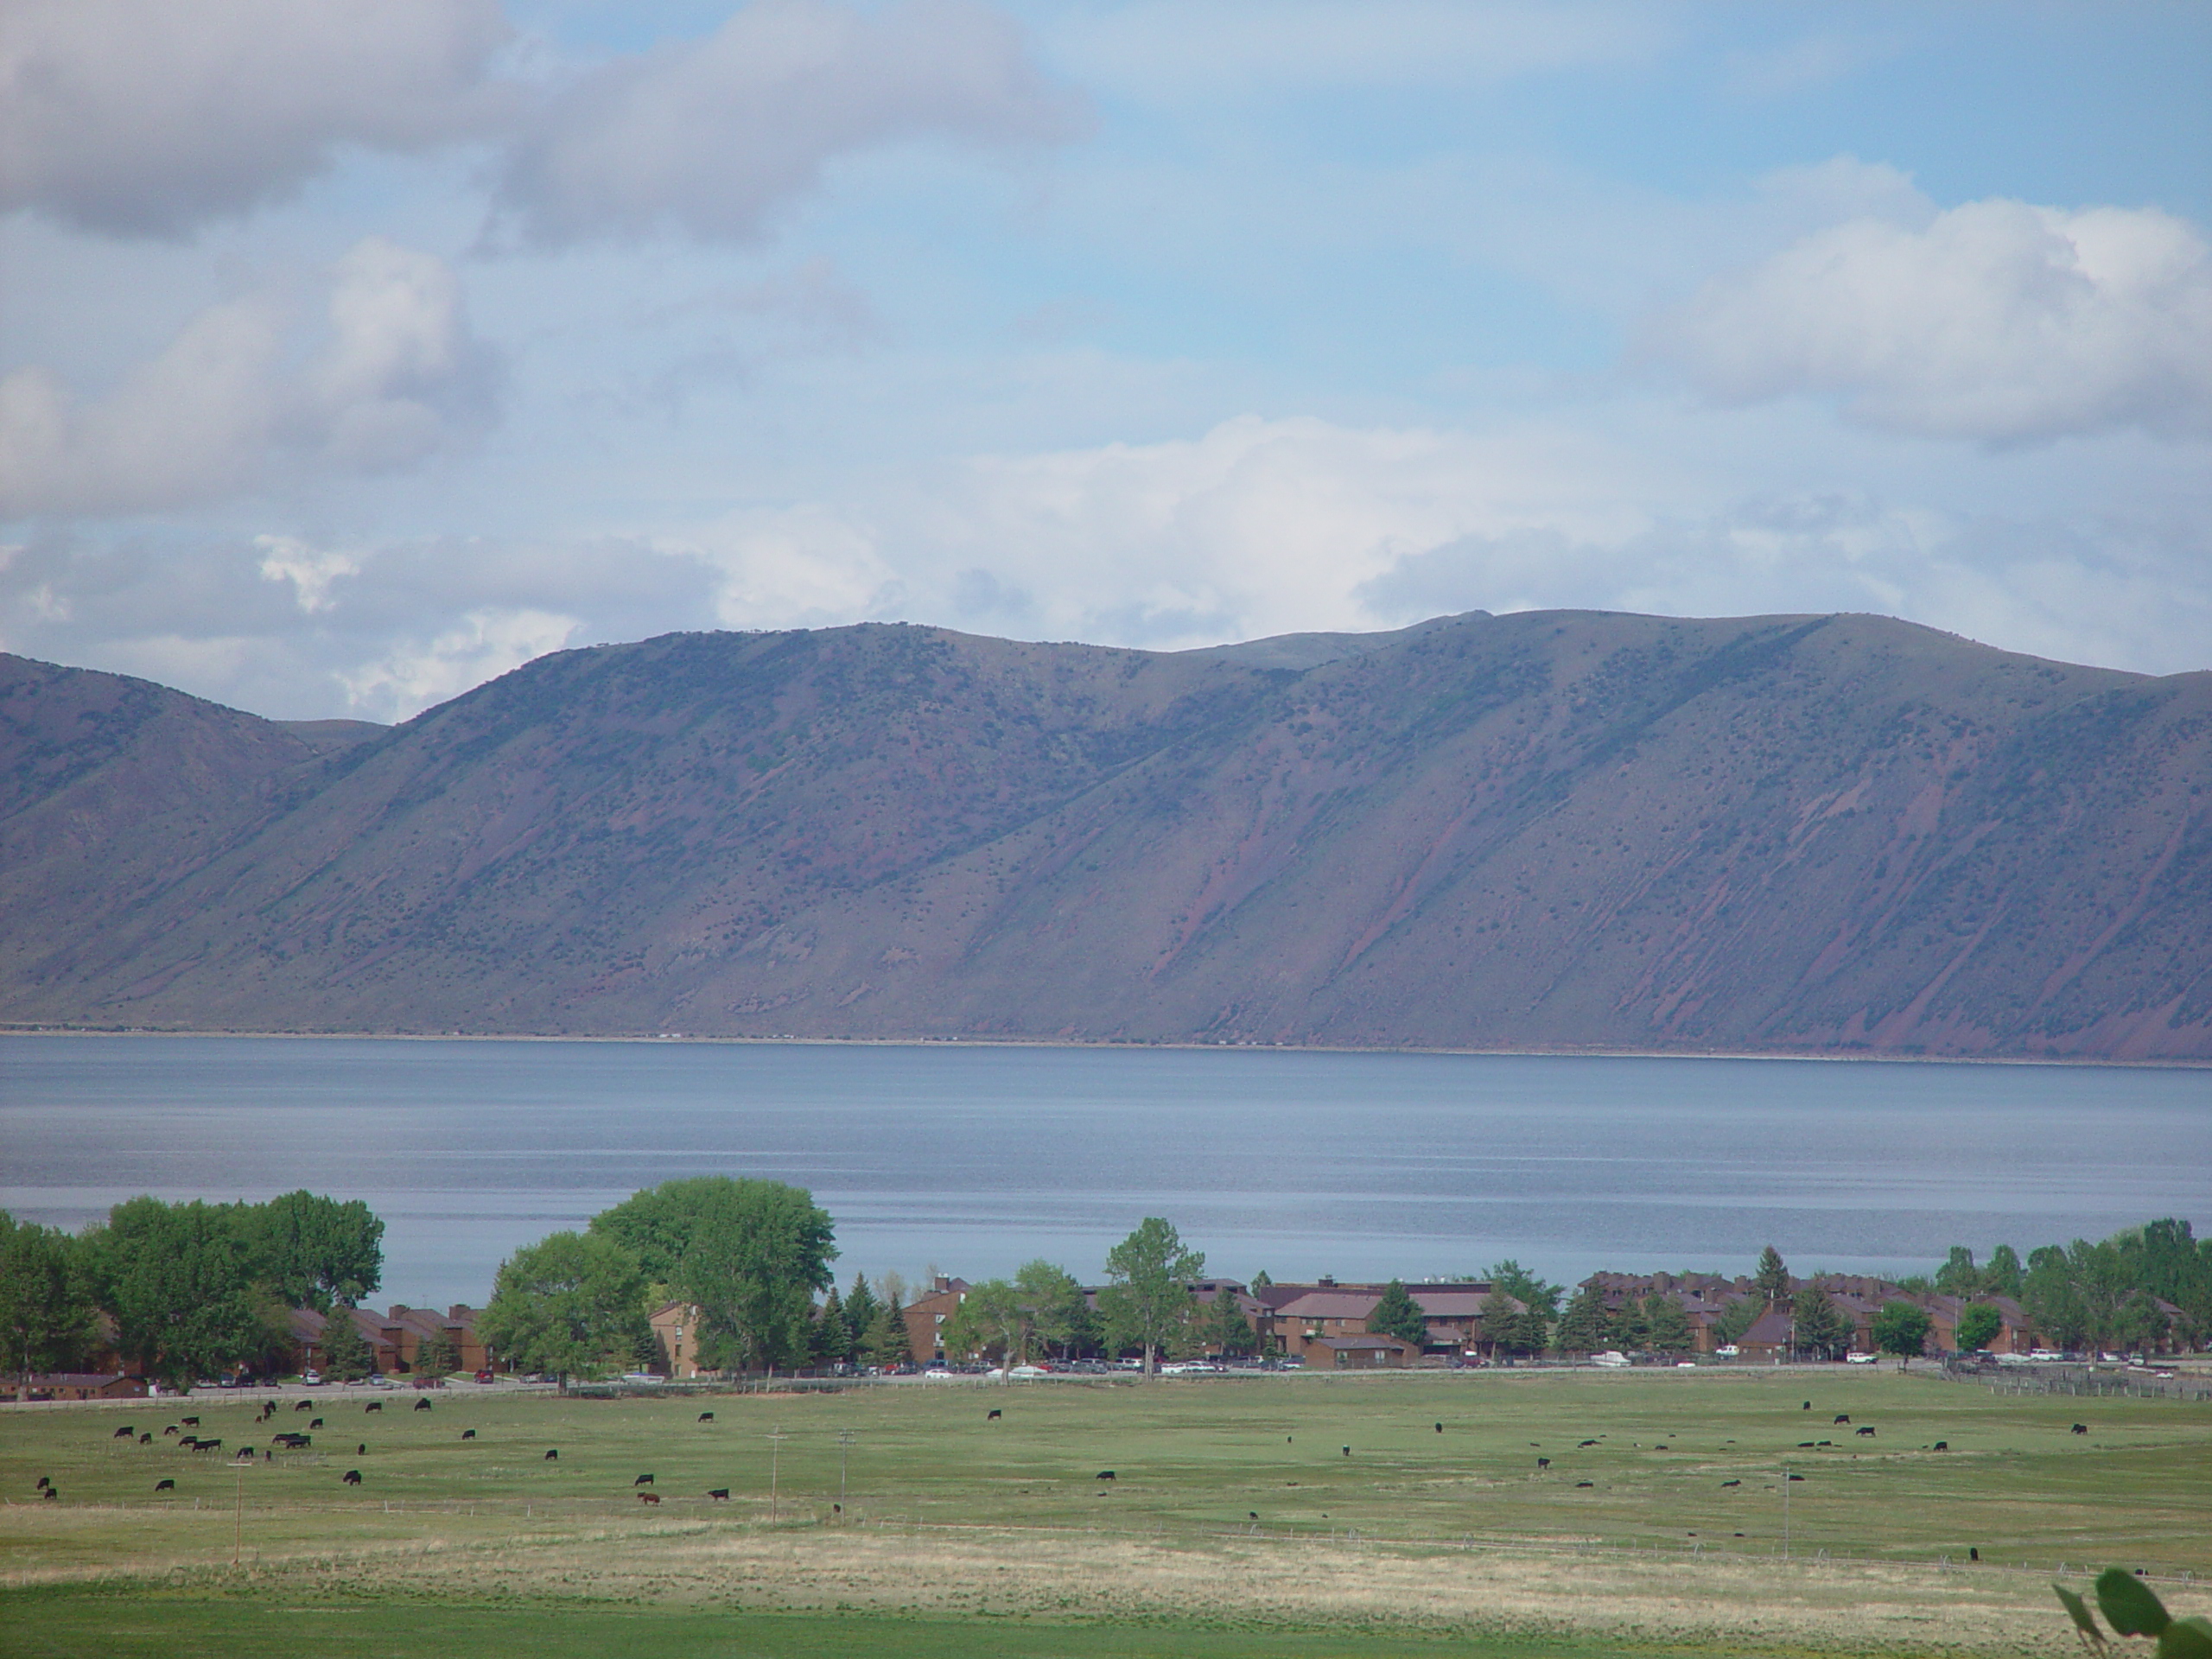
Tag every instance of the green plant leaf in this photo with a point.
(2084, 1620)
(2129, 1607)
(2186, 1638)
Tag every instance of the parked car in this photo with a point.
(311, 1378)
(484, 1376)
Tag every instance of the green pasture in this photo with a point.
(1202, 1462)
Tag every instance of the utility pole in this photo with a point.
(845, 1456)
(238, 1531)
(1785, 1511)
(776, 1439)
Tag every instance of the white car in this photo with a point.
(1027, 1371)
(311, 1378)
(1612, 1359)
(1730, 1353)
(1861, 1359)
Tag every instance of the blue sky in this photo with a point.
(353, 352)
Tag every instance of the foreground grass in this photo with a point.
(1236, 1518)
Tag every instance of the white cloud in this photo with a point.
(487, 644)
(381, 373)
(153, 117)
(1996, 320)
(710, 136)
(309, 569)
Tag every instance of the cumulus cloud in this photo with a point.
(710, 136)
(377, 370)
(1996, 320)
(486, 644)
(151, 118)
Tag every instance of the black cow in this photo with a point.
(467, 1433)
(1973, 1554)
(2081, 1428)
(207, 1445)
(352, 1478)
(191, 1422)
(303, 1405)
(373, 1405)
(643, 1480)
(52, 1493)
(165, 1485)
(1585, 1483)
(44, 1481)
(1439, 1428)
(171, 1429)
(362, 1450)
(1732, 1482)
(422, 1405)
(243, 1453)
(1866, 1433)
(553, 1457)
(1797, 1477)
(720, 1494)
(1105, 1474)
(124, 1433)
(706, 1417)
(648, 1498)
(1843, 1416)
(1251, 1514)
(1347, 1450)
(1809, 1405)
(314, 1423)
(1587, 1443)
(992, 1415)
(1543, 1462)
(1942, 1446)
(145, 1439)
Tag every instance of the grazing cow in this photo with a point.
(1105, 1474)
(1439, 1428)
(352, 1478)
(706, 1417)
(720, 1494)
(1585, 1483)
(191, 1422)
(1843, 1416)
(1543, 1462)
(373, 1405)
(207, 1445)
(124, 1433)
(643, 1480)
(993, 1414)
(467, 1433)
(1973, 1554)
(648, 1498)
(1347, 1450)
(165, 1485)
(553, 1457)
(44, 1481)
(1732, 1482)
(1251, 1514)
(314, 1423)
(2081, 1428)
(422, 1405)
(243, 1453)
(1866, 1433)
(1587, 1443)
(303, 1405)
(52, 1493)
(145, 1439)
(190, 1442)
(1809, 1405)
(171, 1429)
(1942, 1446)
(1804, 1445)
(1797, 1477)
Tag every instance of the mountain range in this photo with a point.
(1552, 830)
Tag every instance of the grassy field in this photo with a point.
(1237, 1521)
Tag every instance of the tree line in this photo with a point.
(188, 1290)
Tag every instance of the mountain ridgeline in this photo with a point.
(1550, 831)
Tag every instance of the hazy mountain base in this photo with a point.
(1553, 829)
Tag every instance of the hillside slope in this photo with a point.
(1574, 830)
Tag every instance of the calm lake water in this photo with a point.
(976, 1159)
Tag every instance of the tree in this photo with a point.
(1958, 1276)
(568, 1304)
(833, 1338)
(1147, 1299)
(1901, 1329)
(1525, 1288)
(437, 1357)
(46, 1316)
(176, 1280)
(1531, 1332)
(2004, 1275)
(346, 1356)
(1261, 1280)
(312, 1252)
(1059, 1313)
(1977, 1327)
(1821, 1328)
(1737, 1318)
(1498, 1314)
(992, 1320)
(1224, 1329)
(1586, 1327)
(750, 1255)
(859, 1311)
(1665, 1327)
(1398, 1315)
(1772, 1281)
(888, 1343)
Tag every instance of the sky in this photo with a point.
(355, 352)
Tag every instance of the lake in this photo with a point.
(975, 1159)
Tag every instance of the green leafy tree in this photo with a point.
(2004, 1275)
(176, 1280)
(314, 1251)
(1146, 1302)
(993, 1321)
(2052, 1300)
(750, 1255)
(1525, 1288)
(1666, 1326)
(889, 1343)
(1737, 1318)
(1820, 1328)
(1900, 1328)
(1060, 1314)
(346, 1356)
(46, 1315)
(1398, 1315)
(1772, 1281)
(1586, 1327)
(437, 1357)
(1958, 1276)
(568, 1304)
(1224, 1330)
(1977, 1327)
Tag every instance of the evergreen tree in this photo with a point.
(1398, 1315)
(1225, 1328)
(1665, 1327)
(1586, 1327)
(1822, 1328)
(833, 1338)
(1772, 1281)
(859, 1311)
(888, 1343)
(1531, 1332)
(346, 1354)
(437, 1357)
(1496, 1317)
(1261, 1280)
(1736, 1318)
(1525, 1288)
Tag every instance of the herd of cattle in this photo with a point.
(301, 1442)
